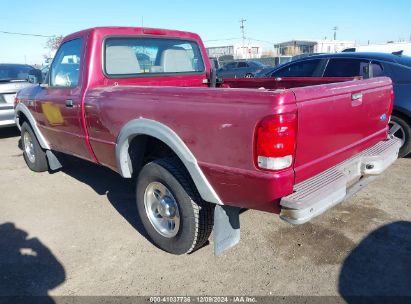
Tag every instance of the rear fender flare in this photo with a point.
(142, 126)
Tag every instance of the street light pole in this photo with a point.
(242, 27)
(335, 29)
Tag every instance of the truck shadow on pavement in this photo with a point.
(28, 269)
(119, 191)
(379, 267)
(9, 132)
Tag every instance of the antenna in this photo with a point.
(335, 29)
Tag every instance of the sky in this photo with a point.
(273, 21)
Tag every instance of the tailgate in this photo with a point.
(337, 121)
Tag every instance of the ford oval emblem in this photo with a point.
(383, 117)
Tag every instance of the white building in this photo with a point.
(385, 48)
(332, 46)
(305, 46)
(237, 50)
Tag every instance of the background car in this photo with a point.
(240, 69)
(14, 77)
(366, 65)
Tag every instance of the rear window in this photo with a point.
(404, 60)
(140, 56)
(14, 72)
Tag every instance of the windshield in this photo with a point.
(14, 72)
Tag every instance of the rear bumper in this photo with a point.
(7, 116)
(325, 190)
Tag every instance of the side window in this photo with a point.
(231, 65)
(342, 67)
(65, 70)
(243, 64)
(377, 69)
(299, 69)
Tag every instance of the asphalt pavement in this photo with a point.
(76, 232)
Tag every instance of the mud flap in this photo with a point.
(54, 163)
(226, 228)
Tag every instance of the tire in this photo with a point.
(33, 154)
(402, 131)
(193, 228)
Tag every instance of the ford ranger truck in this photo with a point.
(144, 103)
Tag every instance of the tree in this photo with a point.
(52, 44)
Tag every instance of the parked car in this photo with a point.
(365, 65)
(201, 153)
(13, 77)
(240, 69)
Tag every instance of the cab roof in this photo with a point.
(123, 30)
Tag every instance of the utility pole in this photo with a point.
(242, 27)
(335, 29)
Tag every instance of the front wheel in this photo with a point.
(33, 154)
(175, 217)
(399, 128)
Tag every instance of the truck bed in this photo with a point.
(335, 122)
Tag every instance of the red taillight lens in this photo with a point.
(276, 141)
(392, 96)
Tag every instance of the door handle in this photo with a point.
(69, 103)
(356, 99)
(356, 96)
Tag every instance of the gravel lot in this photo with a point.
(75, 232)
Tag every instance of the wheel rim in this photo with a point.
(162, 209)
(398, 131)
(29, 147)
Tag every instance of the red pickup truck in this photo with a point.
(144, 102)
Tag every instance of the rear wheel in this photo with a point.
(33, 154)
(175, 217)
(402, 130)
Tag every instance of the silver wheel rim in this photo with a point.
(162, 209)
(397, 131)
(29, 147)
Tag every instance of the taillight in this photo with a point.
(392, 95)
(276, 141)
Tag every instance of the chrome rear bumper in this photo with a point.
(325, 190)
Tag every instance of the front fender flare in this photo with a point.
(22, 108)
(142, 126)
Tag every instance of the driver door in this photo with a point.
(59, 104)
